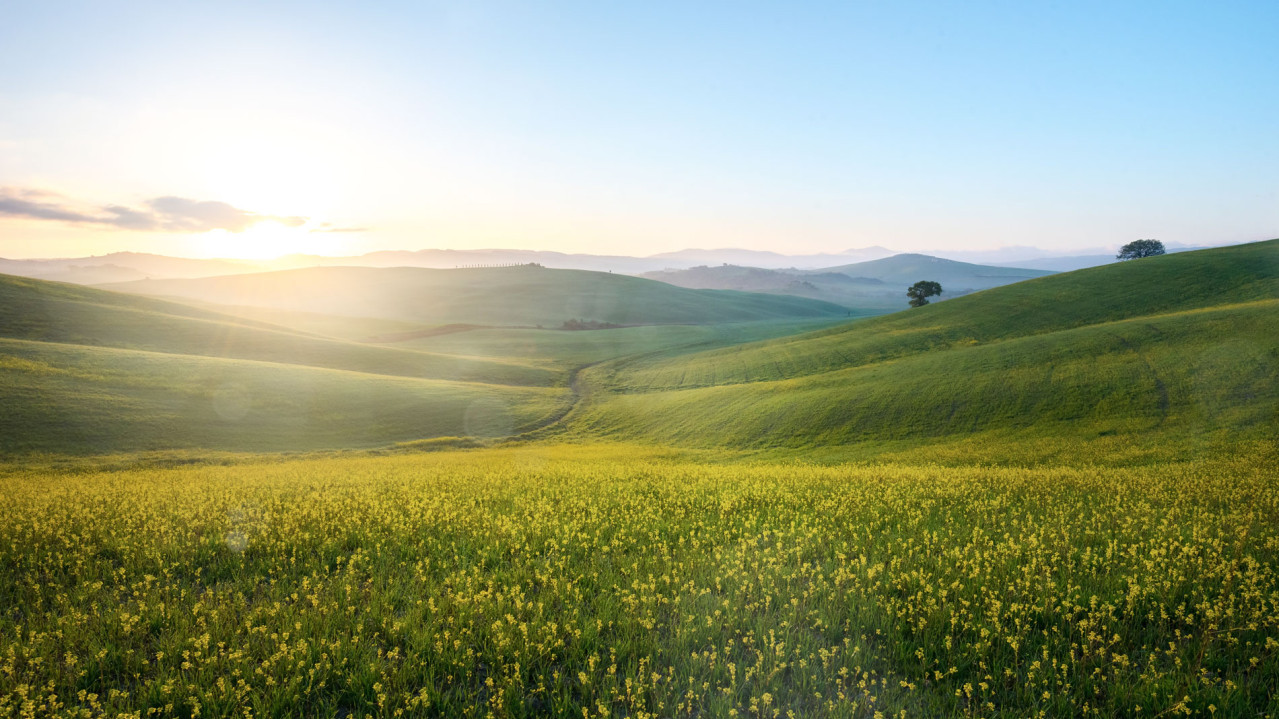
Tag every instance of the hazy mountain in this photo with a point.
(121, 267)
(503, 296)
(830, 287)
(873, 286)
(955, 277)
(767, 260)
(451, 259)
(127, 266)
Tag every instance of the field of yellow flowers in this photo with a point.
(610, 581)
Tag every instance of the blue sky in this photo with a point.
(635, 128)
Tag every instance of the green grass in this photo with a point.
(343, 327)
(510, 296)
(52, 312)
(1210, 373)
(556, 348)
(66, 391)
(1160, 285)
(71, 399)
(1061, 356)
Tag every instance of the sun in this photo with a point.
(267, 240)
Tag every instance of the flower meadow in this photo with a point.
(614, 581)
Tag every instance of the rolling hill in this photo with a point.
(85, 371)
(120, 267)
(1185, 343)
(1127, 355)
(956, 277)
(79, 400)
(872, 287)
(70, 314)
(507, 296)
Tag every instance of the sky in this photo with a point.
(254, 129)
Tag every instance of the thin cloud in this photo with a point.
(326, 227)
(161, 214)
(15, 205)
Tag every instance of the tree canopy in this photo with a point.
(1140, 248)
(921, 291)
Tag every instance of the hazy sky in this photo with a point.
(633, 128)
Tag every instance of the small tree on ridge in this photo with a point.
(1138, 249)
(921, 291)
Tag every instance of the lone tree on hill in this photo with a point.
(921, 291)
(1138, 249)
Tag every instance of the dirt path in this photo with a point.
(578, 391)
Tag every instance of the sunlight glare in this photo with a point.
(268, 240)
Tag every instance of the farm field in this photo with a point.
(615, 580)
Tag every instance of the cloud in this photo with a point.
(14, 205)
(161, 214)
(326, 227)
(179, 213)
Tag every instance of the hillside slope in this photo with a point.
(74, 400)
(1172, 283)
(506, 296)
(870, 287)
(1185, 343)
(69, 314)
(85, 371)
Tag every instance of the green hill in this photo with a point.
(73, 399)
(956, 277)
(90, 371)
(1182, 343)
(506, 296)
(1130, 354)
(70, 314)
(85, 370)
(1172, 283)
(866, 287)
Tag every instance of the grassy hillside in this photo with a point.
(1185, 343)
(72, 399)
(69, 314)
(554, 348)
(86, 371)
(545, 347)
(1171, 283)
(509, 296)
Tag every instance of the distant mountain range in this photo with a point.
(121, 267)
(129, 266)
(498, 296)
